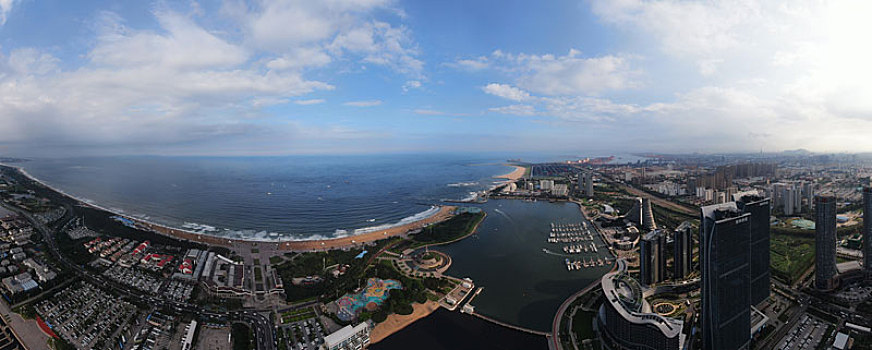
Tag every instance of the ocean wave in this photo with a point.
(463, 184)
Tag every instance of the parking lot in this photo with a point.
(305, 334)
(135, 278)
(86, 316)
(805, 334)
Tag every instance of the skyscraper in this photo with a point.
(725, 237)
(867, 229)
(648, 215)
(588, 184)
(635, 213)
(825, 242)
(758, 207)
(653, 257)
(683, 250)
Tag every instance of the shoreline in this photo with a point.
(395, 323)
(515, 174)
(367, 235)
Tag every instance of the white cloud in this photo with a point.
(570, 74)
(522, 110)
(411, 84)
(366, 103)
(185, 83)
(506, 91)
(314, 101)
(476, 64)
(314, 33)
(424, 111)
(5, 8)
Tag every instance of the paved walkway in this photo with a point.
(27, 330)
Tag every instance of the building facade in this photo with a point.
(682, 247)
(759, 208)
(825, 242)
(653, 257)
(625, 319)
(348, 338)
(725, 238)
(867, 230)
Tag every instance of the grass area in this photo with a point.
(449, 230)
(313, 264)
(257, 261)
(275, 260)
(582, 324)
(791, 256)
(258, 275)
(297, 315)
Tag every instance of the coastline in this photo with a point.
(515, 174)
(360, 236)
(395, 323)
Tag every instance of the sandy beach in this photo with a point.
(515, 174)
(444, 213)
(395, 322)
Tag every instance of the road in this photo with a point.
(262, 325)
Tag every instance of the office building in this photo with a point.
(725, 238)
(682, 248)
(758, 207)
(626, 321)
(653, 257)
(867, 229)
(825, 242)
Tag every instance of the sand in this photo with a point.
(395, 322)
(515, 174)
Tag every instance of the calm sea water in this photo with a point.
(523, 285)
(295, 197)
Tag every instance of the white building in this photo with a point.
(348, 338)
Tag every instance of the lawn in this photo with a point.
(791, 256)
(582, 324)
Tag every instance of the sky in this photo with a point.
(379, 76)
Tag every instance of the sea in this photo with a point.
(273, 198)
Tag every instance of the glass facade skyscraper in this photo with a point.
(725, 238)
(758, 207)
(825, 242)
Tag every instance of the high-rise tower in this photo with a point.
(648, 215)
(683, 250)
(725, 237)
(758, 207)
(825, 242)
(867, 229)
(653, 257)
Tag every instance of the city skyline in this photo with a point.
(273, 78)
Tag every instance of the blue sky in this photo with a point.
(371, 76)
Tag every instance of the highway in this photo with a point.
(263, 327)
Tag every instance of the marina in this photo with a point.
(525, 278)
